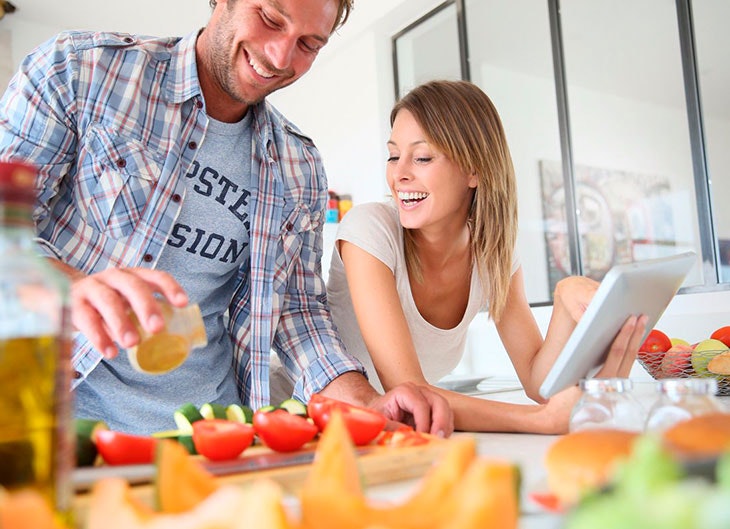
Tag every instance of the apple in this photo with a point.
(676, 361)
(679, 341)
(722, 334)
(705, 351)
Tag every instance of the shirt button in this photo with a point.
(193, 145)
(289, 226)
(128, 40)
(198, 103)
(176, 197)
(147, 258)
(121, 163)
(77, 374)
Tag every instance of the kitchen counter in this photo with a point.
(527, 450)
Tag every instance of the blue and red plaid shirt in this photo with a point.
(113, 122)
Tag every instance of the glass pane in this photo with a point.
(511, 60)
(713, 63)
(633, 168)
(429, 50)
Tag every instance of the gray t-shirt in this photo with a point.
(376, 228)
(208, 244)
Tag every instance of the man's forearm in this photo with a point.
(351, 387)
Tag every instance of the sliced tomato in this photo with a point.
(283, 431)
(548, 501)
(118, 448)
(403, 436)
(363, 424)
(221, 439)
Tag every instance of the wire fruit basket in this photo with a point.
(686, 364)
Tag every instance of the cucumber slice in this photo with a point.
(167, 434)
(267, 408)
(213, 410)
(238, 413)
(185, 416)
(85, 447)
(294, 407)
(177, 435)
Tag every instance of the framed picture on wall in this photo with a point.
(623, 216)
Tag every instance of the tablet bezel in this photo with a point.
(642, 287)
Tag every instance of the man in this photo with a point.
(163, 171)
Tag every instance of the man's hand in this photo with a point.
(102, 304)
(419, 407)
(408, 403)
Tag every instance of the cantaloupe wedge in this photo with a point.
(258, 506)
(458, 487)
(428, 506)
(181, 482)
(24, 509)
(486, 497)
(332, 496)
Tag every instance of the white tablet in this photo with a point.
(642, 287)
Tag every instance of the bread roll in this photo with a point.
(702, 436)
(584, 460)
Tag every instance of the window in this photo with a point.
(618, 157)
(428, 49)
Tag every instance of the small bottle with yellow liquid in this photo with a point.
(36, 438)
(166, 350)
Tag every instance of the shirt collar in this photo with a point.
(183, 84)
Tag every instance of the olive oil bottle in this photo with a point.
(36, 442)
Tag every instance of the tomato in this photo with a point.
(363, 424)
(656, 342)
(403, 436)
(283, 431)
(548, 501)
(221, 439)
(118, 448)
(722, 334)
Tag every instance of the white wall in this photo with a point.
(344, 103)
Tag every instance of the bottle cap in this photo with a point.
(606, 385)
(17, 181)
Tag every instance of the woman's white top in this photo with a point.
(375, 228)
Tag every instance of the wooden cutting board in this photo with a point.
(378, 465)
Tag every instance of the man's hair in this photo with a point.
(460, 120)
(344, 9)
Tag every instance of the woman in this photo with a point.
(408, 277)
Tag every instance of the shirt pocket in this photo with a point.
(119, 182)
(296, 237)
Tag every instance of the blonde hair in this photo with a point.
(461, 121)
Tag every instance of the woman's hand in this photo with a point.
(624, 349)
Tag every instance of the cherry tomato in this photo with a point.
(118, 448)
(656, 342)
(722, 334)
(363, 424)
(221, 439)
(283, 431)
